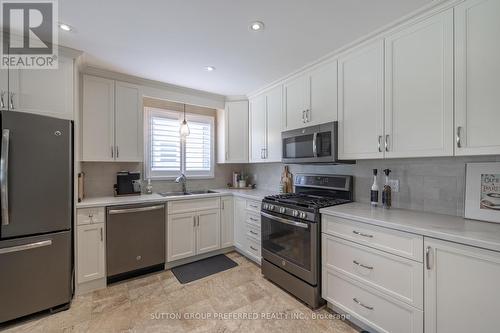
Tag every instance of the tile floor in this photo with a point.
(159, 303)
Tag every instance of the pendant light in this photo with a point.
(184, 130)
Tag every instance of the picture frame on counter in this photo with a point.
(482, 191)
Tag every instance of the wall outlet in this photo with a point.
(394, 184)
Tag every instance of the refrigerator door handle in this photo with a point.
(4, 177)
(25, 247)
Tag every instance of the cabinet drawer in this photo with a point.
(90, 215)
(192, 205)
(253, 247)
(373, 308)
(253, 230)
(253, 206)
(253, 218)
(401, 243)
(399, 277)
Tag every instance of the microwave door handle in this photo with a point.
(315, 147)
(4, 177)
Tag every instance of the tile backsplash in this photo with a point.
(101, 176)
(426, 184)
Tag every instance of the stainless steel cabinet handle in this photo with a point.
(135, 210)
(253, 206)
(26, 246)
(459, 140)
(253, 232)
(102, 239)
(223, 206)
(11, 101)
(253, 248)
(194, 221)
(428, 257)
(362, 234)
(2, 103)
(4, 177)
(307, 115)
(197, 221)
(361, 265)
(363, 305)
(117, 152)
(254, 219)
(304, 116)
(379, 143)
(112, 152)
(386, 144)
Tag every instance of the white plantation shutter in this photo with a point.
(168, 155)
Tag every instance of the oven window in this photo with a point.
(287, 241)
(298, 147)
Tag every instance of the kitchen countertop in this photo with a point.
(155, 197)
(451, 228)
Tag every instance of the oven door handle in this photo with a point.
(282, 220)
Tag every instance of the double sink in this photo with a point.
(176, 194)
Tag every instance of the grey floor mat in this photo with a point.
(202, 268)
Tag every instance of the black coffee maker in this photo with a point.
(128, 183)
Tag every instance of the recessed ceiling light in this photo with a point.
(256, 26)
(65, 27)
(209, 68)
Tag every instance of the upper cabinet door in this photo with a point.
(236, 132)
(274, 113)
(297, 102)
(128, 122)
(48, 92)
(361, 102)
(258, 125)
(419, 89)
(98, 119)
(477, 70)
(323, 95)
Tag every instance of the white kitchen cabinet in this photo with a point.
(323, 94)
(227, 222)
(311, 98)
(297, 101)
(112, 121)
(90, 251)
(361, 102)
(181, 236)
(208, 231)
(477, 92)
(239, 223)
(258, 128)
(265, 126)
(419, 89)
(47, 92)
(98, 119)
(232, 133)
(128, 122)
(461, 288)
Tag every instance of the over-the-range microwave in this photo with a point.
(315, 144)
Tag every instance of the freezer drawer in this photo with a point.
(35, 274)
(135, 238)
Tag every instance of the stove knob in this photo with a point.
(270, 207)
(282, 210)
(265, 206)
(295, 213)
(303, 215)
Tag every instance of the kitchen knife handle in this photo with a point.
(4, 177)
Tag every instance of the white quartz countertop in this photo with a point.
(451, 228)
(155, 197)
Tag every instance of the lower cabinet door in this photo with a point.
(90, 252)
(181, 236)
(208, 231)
(240, 224)
(461, 288)
(373, 308)
(227, 222)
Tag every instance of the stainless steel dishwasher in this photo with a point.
(135, 240)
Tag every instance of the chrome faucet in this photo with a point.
(182, 179)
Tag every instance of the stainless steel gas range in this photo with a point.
(291, 233)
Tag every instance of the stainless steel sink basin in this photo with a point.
(173, 194)
(176, 194)
(203, 192)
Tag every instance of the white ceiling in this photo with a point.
(172, 40)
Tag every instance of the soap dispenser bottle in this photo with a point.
(386, 192)
(374, 190)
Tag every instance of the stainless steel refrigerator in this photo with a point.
(36, 201)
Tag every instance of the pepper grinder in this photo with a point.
(386, 192)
